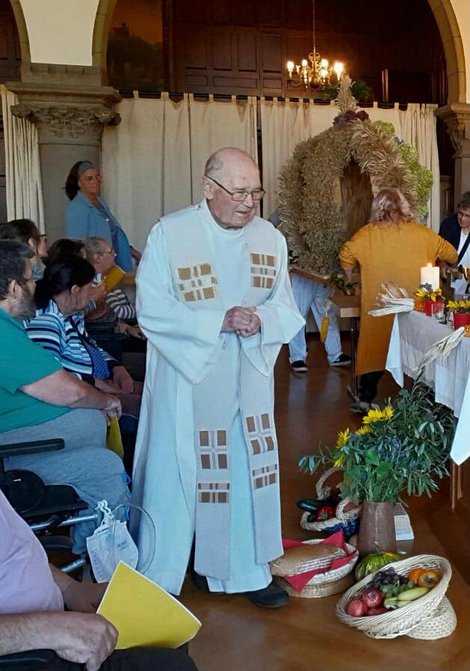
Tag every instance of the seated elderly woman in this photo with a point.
(58, 326)
(116, 304)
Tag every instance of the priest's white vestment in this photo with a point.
(192, 271)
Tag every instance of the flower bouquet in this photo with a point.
(461, 313)
(426, 296)
(401, 448)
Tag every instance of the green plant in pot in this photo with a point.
(402, 448)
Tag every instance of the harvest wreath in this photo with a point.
(326, 186)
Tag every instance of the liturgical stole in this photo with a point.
(217, 398)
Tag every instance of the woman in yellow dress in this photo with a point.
(392, 247)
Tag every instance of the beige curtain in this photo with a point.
(284, 124)
(145, 163)
(22, 166)
(153, 161)
(216, 124)
(418, 128)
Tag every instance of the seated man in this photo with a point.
(32, 599)
(39, 400)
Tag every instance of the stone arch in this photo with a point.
(104, 15)
(22, 32)
(453, 49)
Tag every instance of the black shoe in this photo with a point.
(199, 581)
(299, 366)
(362, 407)
(342, 360)
(271, 596)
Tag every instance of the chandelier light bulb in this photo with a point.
(315, 73)
(338, 68)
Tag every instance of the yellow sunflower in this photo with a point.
(378, 415)
(343, 437)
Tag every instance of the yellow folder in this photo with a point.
(113, 277)
(144, 614)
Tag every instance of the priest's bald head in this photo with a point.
(232, 187)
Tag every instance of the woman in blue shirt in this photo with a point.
(89, 215)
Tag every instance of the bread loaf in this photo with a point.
(305, 557)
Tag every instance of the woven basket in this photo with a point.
(315, 591)
(405, 619)
(439, 624)
(348, 521)
(336, 573)
(327, 583)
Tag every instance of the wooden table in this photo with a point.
(349, 307)
(309, 275)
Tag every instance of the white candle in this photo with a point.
(430, 275)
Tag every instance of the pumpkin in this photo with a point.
(374, 562)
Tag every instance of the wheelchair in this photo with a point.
(45, 508)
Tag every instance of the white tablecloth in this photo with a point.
(412, 334)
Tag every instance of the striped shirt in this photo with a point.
(118, 302)
(64, 337)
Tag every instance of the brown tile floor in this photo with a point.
(305, 635)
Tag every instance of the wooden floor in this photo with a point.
(305, 635)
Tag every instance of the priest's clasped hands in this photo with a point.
(242, 321)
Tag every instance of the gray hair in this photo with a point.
(93, 246)
(464, 200)
(84, 166)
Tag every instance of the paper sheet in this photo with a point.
(144, 614)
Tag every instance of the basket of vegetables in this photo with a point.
(404, 597)
(328, 512)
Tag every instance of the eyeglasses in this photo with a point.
(240, 196)
(463, 215)
(108, 251)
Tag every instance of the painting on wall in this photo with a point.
(135, 46)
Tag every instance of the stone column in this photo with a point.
(456, 116)
(69, 113)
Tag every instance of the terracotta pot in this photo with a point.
(377, 528)
(461, 319)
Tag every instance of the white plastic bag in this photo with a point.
(110, 543)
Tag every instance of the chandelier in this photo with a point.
(316, 72)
